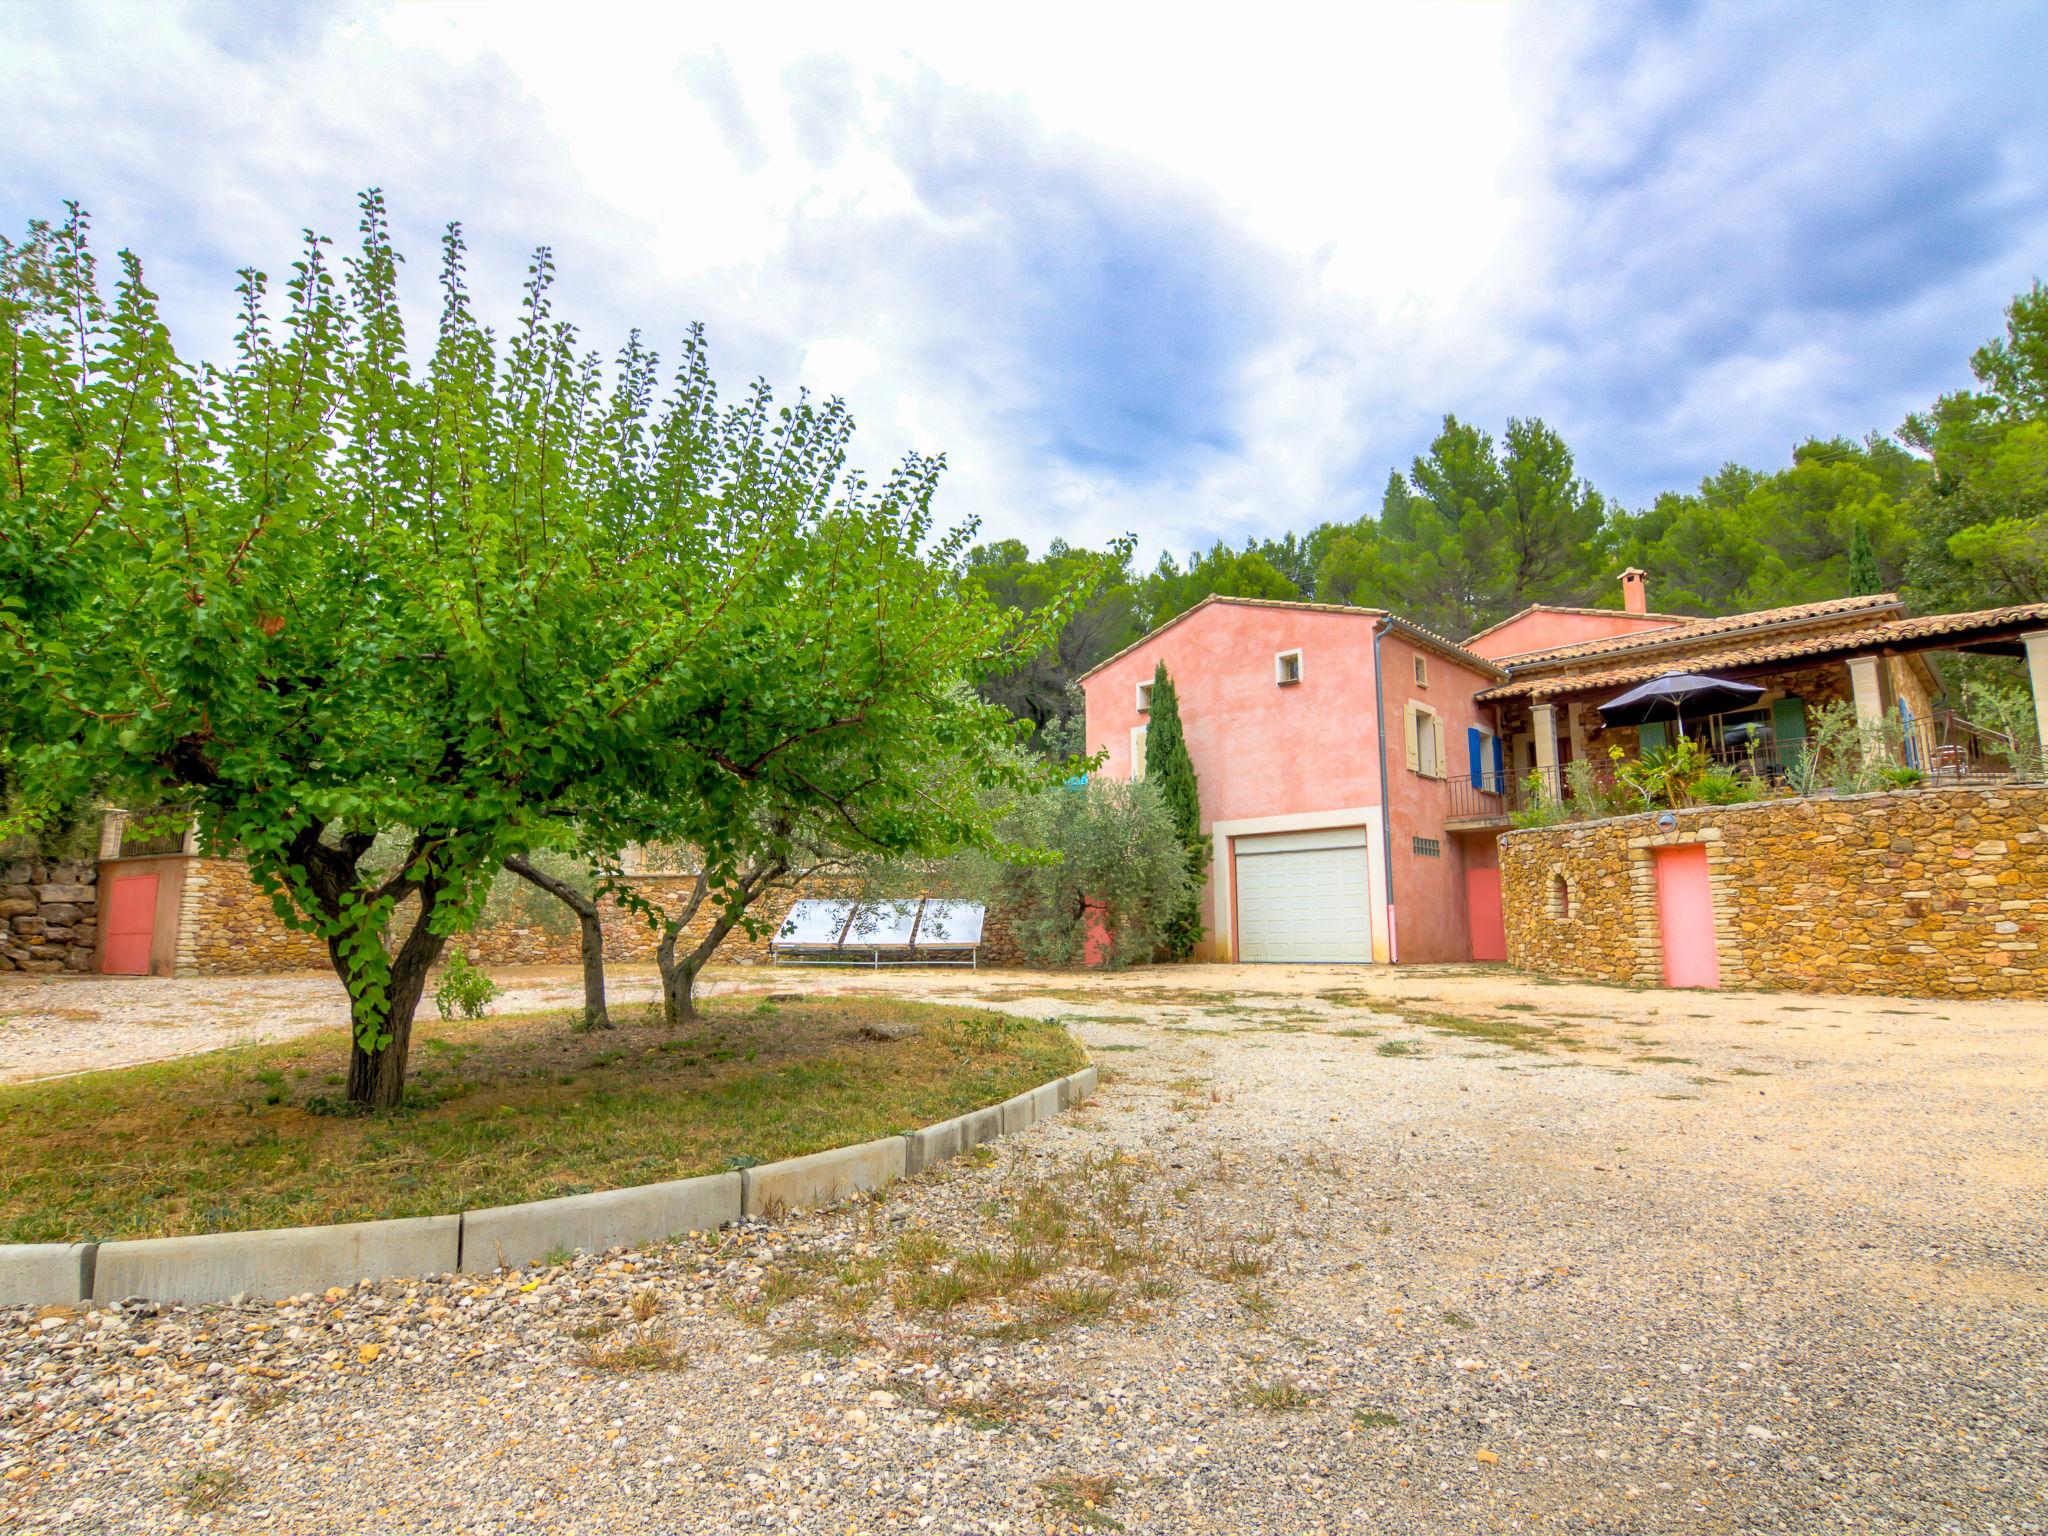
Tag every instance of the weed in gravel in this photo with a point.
(1354, 1034)
(1458, 1320)
(1158, 1288)
(753, 1313)
(1665, 1061)
(832, 1343)
(1235, 1262)
(1277, 1397)
(1255, 1300)
(1515, 1034)
(1116, 1047)
(1084, 1302)
(781, 1285)
(996, 1406)
(651, 1354)
(1081, 1499)
(644, 1305)
(1374, 1418)
(206, 1489)
(1399, 1048)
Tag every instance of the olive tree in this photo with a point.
(329, 589)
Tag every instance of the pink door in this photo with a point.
(1685, 914)
(131, 925)
(1482, 913)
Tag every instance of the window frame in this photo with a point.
(1280, 660)
(1143, 692)
(1413, 713)
(1421, 670)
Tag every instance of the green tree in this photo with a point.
(1748, 539)
(1170, 590)
(1038, 687)
(320, 595)
(1478, 532)
(1169, 768)
(1120, 875)
(1864, 577)
(1982, 518)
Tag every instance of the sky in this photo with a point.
(1195, 274)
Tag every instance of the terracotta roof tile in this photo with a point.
(1591, 613)
(1791, 647)
(1701, 630)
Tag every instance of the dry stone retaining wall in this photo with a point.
(1931, 893)
(49, 914)
(227, 927)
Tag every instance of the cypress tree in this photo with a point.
(1864, 578)
(1172, 771)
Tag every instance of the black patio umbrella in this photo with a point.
(1669, 696)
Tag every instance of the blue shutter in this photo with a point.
(1500, 769)
(1472, 752)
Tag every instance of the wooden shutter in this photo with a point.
(1408, 726)
(1475, 749)
(1788, 720)
(1651, 737)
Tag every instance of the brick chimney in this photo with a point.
(1635, 596)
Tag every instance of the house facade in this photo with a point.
(1356, 771)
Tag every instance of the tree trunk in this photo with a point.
(376, 1078)
(679, 971)
(595, 1014)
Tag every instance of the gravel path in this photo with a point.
(1331, 1251)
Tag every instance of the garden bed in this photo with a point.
(498, 1112)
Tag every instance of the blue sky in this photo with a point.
(1130, 274)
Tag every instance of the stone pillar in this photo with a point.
(1575, 728)
(1868, 691)
(1543, 723)
(2037, 678)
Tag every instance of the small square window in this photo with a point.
(1422, 671)
(1144, 698)
(1287, 668)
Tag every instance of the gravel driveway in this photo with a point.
(1332, 1250)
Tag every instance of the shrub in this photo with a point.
(464, 989)
(1119, 869)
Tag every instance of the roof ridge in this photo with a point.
(1704, 629)
(1598, 613)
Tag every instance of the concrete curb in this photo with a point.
(949, 1138)
(284, 1262)
(293, 1260)
(516, 1235)
(45, 1274)
(823, 1177)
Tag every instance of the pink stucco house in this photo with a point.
(1356, 770)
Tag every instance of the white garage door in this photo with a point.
(1304, 896)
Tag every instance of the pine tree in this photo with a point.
(1864, 578)
(1172, 771)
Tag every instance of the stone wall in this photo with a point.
(49, 914)
(1931, 893)
(227, 927)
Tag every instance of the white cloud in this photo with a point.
(1193, 275)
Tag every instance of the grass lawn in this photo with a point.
(498, 1111)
